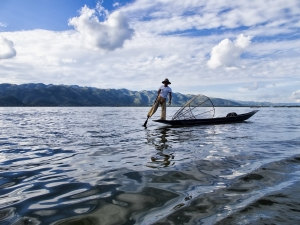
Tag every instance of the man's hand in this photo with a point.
(169, 103)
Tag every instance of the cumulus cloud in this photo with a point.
(7, 49)
(2, 24)
(227, 53)
(108, 35)
(296, 95)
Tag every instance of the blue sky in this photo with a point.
(44, 14)
(243, 50)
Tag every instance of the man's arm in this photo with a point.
(170, 98)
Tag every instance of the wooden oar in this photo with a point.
(145, 124)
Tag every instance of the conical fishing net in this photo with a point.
(198, 107)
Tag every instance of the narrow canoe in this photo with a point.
(218, 120)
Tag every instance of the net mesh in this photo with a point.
(198, 107)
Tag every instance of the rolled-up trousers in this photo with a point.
(160, 101)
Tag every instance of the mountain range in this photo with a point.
(38, 94)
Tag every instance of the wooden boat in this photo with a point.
(207, 121)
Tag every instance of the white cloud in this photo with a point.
(172, 16)
(252, 87)
(68, 60)
(296, 95)
(108, 35)
(116, 4)
(255, 86)
(2, 24)
(58, 58)
(101, 10)
(227, 53)
(7, 49)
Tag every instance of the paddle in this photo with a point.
(145, 124)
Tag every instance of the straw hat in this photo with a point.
(166, 81)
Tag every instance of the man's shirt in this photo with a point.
(164, 91)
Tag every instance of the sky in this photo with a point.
(239, 50)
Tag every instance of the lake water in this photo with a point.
(98, 165)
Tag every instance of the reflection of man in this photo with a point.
(162, 95)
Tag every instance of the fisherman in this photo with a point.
(162, 95)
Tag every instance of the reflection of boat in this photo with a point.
(217, 120)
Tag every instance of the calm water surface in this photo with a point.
(100, 166)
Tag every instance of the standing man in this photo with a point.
(162, 95)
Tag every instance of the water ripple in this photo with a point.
(100, 166)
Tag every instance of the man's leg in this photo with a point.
(163, 115)
(153, 108)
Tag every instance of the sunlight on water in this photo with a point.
(100, 166)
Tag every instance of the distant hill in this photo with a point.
(63, 95)
(72, 95)
(10, 101)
